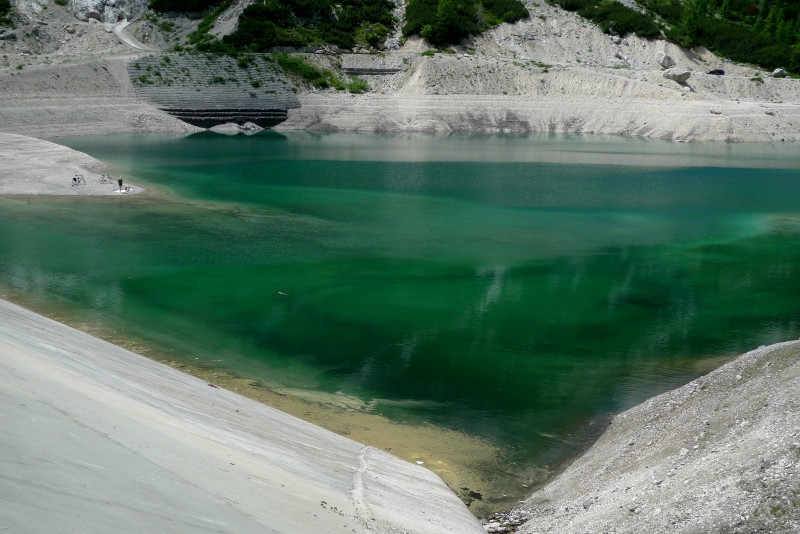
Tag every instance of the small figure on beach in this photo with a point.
(119, 181)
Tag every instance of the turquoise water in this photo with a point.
(516, 288)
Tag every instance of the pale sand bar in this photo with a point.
(34, 167)
(99, 439)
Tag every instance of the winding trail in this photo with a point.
(120, 29)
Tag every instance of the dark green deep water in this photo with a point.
(517, 288)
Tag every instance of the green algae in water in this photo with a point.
(515, 298)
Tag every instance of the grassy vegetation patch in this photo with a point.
(321, 78)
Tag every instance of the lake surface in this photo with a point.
(515, 288)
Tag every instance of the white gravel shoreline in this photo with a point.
(35, 167)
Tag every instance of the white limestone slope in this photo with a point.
(98, 439)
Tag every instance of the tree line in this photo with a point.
(348, 23)
(761, 32)
(5, 13)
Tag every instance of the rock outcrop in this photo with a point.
(107, 10)
(208, 91)
(665, 60)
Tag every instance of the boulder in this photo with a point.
(677, 75)
(779, 73)
(30, 7)
(664, 60)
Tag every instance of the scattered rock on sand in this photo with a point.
(779, 73)
(664, 60)
(677, 75)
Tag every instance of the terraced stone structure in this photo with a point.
(207, 91)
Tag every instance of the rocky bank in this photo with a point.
(721, 454)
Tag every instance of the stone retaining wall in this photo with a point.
(207, 91)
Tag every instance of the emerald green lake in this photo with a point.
(519, 289)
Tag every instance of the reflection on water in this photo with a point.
(499, 286)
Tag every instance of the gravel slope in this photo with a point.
(721, 454)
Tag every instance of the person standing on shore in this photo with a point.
(119, 181)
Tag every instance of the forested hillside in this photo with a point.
(5, 9)
(346, 23)
(762, 32)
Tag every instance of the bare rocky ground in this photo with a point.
(553, 73)
(721, 455)
(556, 73)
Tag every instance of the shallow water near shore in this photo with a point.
(508, 289)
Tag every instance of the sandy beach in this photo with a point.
(99, 439)
(35, 167)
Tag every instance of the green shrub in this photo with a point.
(506, 10)
(418, 14)
(5, 13)
(60, 2)
(216, 80)
(296, 66)
(443, 22)
(613, 17)
(312, 22)
(358, 86)
(306, 71)
(741, 43)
